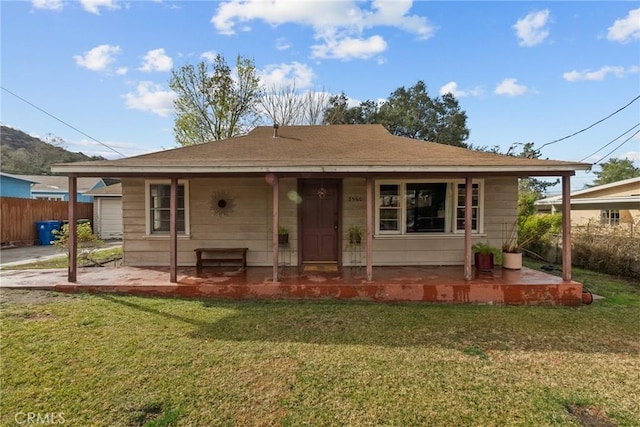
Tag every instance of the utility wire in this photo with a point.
(63, 122)
(610, 142)
(620, 145)
(590, 126)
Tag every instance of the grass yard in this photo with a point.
(109, 360)
(100, 256)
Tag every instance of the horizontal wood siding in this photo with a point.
(248, 225)
(500, 211)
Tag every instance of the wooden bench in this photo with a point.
(221, 255)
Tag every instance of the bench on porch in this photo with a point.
(221, 255)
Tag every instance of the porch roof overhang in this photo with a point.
(596, 203)
(247, 170)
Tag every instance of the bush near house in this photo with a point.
(88, 243)
(607, 249)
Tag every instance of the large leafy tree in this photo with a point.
(212, 102)
(408, 112)
(615, 170)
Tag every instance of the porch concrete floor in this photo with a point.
(390, 284)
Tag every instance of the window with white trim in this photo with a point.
(158, 205)
(610, 217)
(411, 207)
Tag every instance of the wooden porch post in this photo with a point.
(468, 218)
(566, 227)
(73, 229)
(369, 229)
(276, 221)
(173, 231)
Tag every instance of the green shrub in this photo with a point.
(607, 249)
(540, 233)
(88, 242)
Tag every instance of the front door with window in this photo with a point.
(319, 221)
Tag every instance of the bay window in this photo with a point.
(412, 207)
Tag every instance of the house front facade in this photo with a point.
(419, 203)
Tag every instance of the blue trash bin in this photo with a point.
(45, 231)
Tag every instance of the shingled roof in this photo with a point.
(335, 148)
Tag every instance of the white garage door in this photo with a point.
(110, 218)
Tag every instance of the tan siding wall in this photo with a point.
(250, 225)
(500, 211)
(583, 217)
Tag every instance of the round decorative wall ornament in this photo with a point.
(222, 204)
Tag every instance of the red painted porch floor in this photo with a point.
(390, 284)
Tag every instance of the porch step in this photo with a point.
(321, 267)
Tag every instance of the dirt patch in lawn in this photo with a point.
(32, 297)
(590, 417)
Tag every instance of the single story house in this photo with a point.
(615, 203)
(107, 211)
(15, 186)
(50, 187)
(420, 203)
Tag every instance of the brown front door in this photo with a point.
(319, 220)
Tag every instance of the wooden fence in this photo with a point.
(20, 215)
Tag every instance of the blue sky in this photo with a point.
(523, 71)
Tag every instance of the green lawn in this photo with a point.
(110, 360)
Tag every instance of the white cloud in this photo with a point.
(280, 75)
(509, 87)
(348, 48)
(338, 25)
(623, 30)
(151, 97)
(631, 155)
(209, 56)
(99, 58)
(122, 71)
(156, 60)
(282, 43)
(601, 74)
(93, 6)
(452, 88)
(48, 4)
(532, 29)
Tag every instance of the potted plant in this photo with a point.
(512, 249)
(355, 234)
(283, 235)
(484, 255)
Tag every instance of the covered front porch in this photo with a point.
(444, 284)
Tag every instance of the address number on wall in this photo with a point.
(355, 199)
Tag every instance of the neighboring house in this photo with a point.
(107, 211)
(15, 186)
(610, 204)
(423, 203)
(48, 187)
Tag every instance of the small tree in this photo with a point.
(615, 170)
(88, 242)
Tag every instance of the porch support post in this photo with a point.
(468, 218)
(566, 227)
(276, 221)
(73, 229)
(369, 229)
(173, 231)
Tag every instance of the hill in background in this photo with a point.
(23, 154)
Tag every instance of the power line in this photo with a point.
(610, 142)
(63, 122)
(590, 126)
(620, 145)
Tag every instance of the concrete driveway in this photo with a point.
(27, 254)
